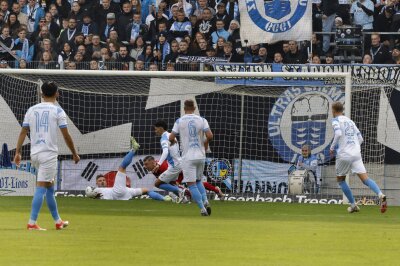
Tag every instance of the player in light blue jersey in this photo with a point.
(195, 134)
(308, 161)
(172, 155)
(43, 121)
(347, 140)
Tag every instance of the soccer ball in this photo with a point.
(90, 193)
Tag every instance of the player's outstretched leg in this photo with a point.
(196, 196)
(37, 202)
(375, 188)
(52, 205)
(134, 146)
(155, 196)
(170, 188)
(214, 189)
(347, 191)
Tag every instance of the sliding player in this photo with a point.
(150, 164)
(119, 191)
(171, 155)
(348, 156)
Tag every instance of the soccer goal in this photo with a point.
(260, 122)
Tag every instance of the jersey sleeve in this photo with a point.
(61, 118)
(165, 151)
(335, 124)
(25, 123)
(337, 133)
(175, 129)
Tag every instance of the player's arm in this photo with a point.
(62, 124)
(359, 136)
(338, 134)
(174, 133)
(20, 141)
(164, 146)
(21, 137)
(209, 135)
(70, 143)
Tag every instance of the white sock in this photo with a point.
(31, 222)
(58, 221)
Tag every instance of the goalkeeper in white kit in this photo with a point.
(119, 191)
(347, 141)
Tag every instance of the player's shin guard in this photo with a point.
(155, 196)
(52, 204)
(170, 188)
(372, 185)
(346, 190)
(196, 196)
(202, 191)
(37, 203)
(127, 159)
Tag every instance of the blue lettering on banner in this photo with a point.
(276, 10)
(361, 74)
(301, 115)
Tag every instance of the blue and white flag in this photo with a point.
(270, 21)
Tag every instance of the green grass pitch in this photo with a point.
(146, 232)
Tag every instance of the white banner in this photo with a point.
(258, 175)
(79, 176)
(272, 21)
(16, 182)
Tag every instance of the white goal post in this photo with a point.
(102, 104)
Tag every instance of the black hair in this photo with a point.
(148, 158)
(49, 89)
(161, 123)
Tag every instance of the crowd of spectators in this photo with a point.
(177, 34)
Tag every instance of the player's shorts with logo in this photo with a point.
(46, 165)
(347, 164)
(121, 192)
(171, 174)
(192, 170)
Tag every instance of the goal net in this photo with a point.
(260, 124)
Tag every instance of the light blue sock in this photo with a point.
(127, 159)
(155, 196)
(373, 186)
(52, 204)
(37, 202)
(347, 191)
(196, 196)
(202, 190)
(171, 188)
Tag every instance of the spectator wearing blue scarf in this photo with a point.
(162, 45)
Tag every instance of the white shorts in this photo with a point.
(171, 174)
(192, 170)
(120, 191)
(343, 166)
(46, 165)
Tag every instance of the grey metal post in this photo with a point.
(241, 142)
